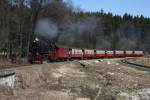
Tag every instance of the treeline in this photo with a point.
(122, 32)
(58, 21)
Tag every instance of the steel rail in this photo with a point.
(5, 73)
(135, 65)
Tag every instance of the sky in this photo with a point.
(119, 7)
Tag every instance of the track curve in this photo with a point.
(135, 65)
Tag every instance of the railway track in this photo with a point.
(135, 65)
(6, 72)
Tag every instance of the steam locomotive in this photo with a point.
(43, 51)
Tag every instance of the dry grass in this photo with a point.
(102, 80)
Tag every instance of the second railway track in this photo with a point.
(135, 65)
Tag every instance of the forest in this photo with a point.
(23, 21)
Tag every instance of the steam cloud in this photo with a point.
(87, 24)
(46, 28)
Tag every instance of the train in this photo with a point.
(41, 51)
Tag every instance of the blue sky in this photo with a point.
(133, 7)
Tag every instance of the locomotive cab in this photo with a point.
(41, 51)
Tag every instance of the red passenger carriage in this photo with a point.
(119, 53)
(76, 53)
(100, 53)
(110, 54)
(88, 54)
(41, 51)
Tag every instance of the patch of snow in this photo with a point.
(82, 99)
(101, 60)
(96, 61)
(108, 62)
(110, 73)
(57, 75)
(45, 62)
(123, 96)
(117, 64)
(119, 68)
(70, 71)
(136, 95)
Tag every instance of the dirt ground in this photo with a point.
(4, 64)
(104, 79)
